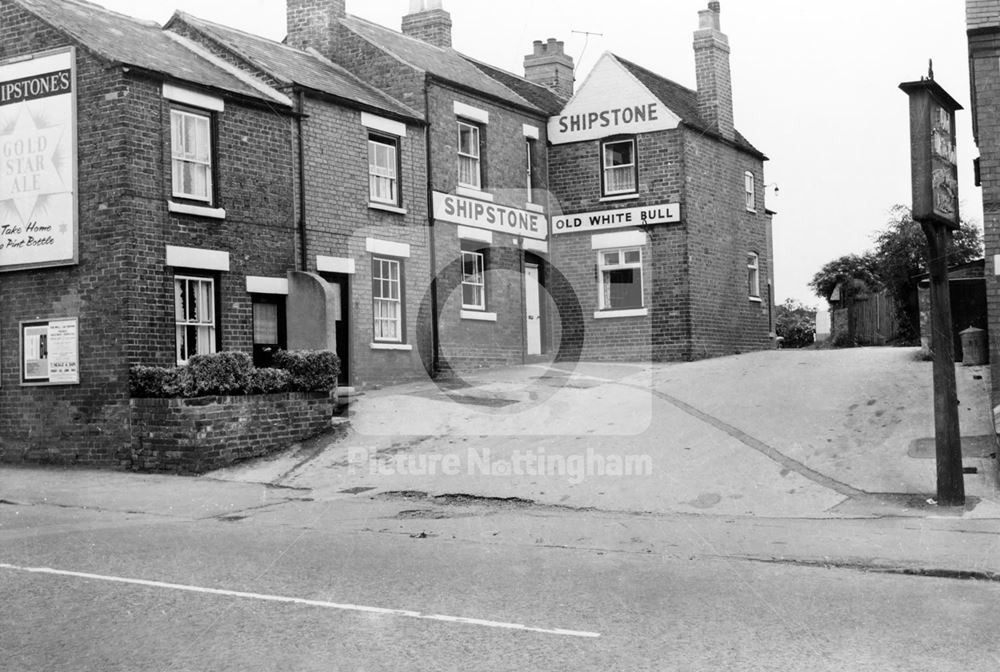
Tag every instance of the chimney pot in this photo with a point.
(549, 66)
(428, 21)
(715, 89)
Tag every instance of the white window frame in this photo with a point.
(204, 320)
(604, 267)
(380, 173)
(477, 280)
(750, 191)
(182, 156)
(753, 276)
(387, 310)
(606, 169)
(473, 159)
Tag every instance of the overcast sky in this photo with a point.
(815, 87)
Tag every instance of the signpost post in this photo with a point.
(935, 206)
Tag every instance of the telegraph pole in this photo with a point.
(934, 174)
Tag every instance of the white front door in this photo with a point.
(533, 313)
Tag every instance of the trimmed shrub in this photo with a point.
(269, 381)
(310, 370)
(221, 373)
(159, 381)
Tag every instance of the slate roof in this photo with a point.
(143, 44)
(682, 100)
(536, 94)
(446, 64)
(293, 66)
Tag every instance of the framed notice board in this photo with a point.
(50, 352)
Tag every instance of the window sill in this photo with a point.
(198, 210)
(751, 211)
(534, 207)
(373, 205)
(619, 197)
(632, 312)
(480, 315)
(755, 299)
(472, 192)
(391, 346)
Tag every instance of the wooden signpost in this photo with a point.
(935, 206)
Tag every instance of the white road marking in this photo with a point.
(298, 600)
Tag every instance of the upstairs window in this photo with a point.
(194, 314)
(191, 155)
(620, 277)
(620, 175)
(748, 187)
(383, 169)
(469, 165)
(753, 275)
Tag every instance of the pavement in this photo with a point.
(777, 434)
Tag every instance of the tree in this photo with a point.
(900, 254)
(851, 272)
(795, 323)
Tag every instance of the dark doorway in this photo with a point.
(342, 290)
(269, 332)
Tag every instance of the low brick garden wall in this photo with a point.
(199, 434)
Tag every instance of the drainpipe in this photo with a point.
(303, 253)
(435, 333)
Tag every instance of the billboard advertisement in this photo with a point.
(38, 161)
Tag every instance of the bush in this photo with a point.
(221, 373)
(269, 381)
(310, 370)
(233, 373)
(158, 381)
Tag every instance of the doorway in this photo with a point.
(532, 310)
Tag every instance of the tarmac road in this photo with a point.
(299, 585)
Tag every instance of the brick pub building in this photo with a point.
(662, 231)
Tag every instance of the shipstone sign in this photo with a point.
(38, 210)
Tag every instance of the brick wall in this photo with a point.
(721, 232)
(464, 343)
(984, 50)
(86, 422)
(982, 13)
(205, 433)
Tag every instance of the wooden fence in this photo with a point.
(874, 318)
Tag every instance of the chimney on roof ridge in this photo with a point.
(428, 21)
(550, 66)
(711, 59)
(312, 23)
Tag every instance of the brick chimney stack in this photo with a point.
(429, 22)
(549, 66)
(311, 23)
(711, 58)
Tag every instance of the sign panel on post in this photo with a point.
(50, 352)
(38, 210)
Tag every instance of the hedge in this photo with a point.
(233, 373)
